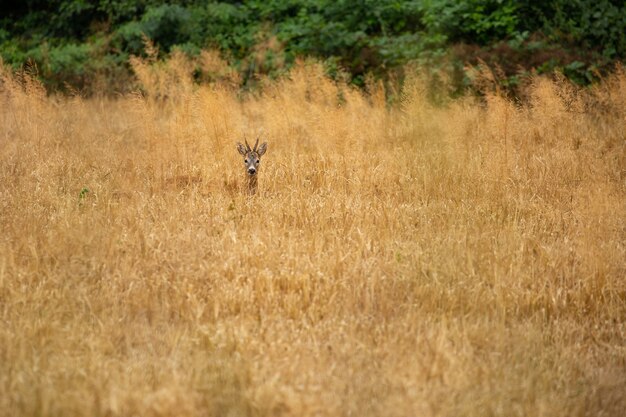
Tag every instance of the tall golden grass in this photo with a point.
(409, 260)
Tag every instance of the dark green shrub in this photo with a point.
(166, 25)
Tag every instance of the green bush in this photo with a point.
(166, 25)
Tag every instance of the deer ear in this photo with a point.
(262, 149)
(241, 148)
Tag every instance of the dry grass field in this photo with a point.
(464, 259)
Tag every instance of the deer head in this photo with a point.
(252, 159)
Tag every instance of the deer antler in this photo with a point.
(256, 144)
(247, 146)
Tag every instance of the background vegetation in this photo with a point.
(82, 44)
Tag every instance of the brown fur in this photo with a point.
(252, 159)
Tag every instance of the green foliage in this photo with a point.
(475, 21)
(72, 40)
(365, 35)
(592, 24)
(83, 193)
(166, 25)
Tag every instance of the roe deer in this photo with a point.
(252, 159)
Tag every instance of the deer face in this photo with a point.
(252, 156)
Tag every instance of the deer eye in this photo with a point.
(258, 160)
(246, 161)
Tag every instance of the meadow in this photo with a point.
(464, 258)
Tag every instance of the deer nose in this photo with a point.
(251, 171)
